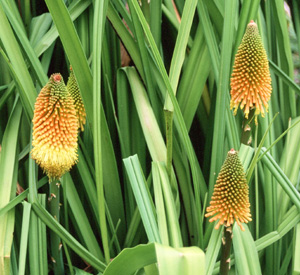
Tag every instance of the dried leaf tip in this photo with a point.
(230, 199)
(54, 129)
(250, 79)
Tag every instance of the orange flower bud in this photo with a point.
(250, 79)
(230, 199)
(55, 129)
(73, 89)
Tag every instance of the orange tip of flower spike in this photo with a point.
(250, 79)
(230, 199)
(54, 129)
(57, 77)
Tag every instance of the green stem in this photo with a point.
(248, 124)
(27, 14)
(54, 205)
(66, 221)
(225, 257)
(169, 140)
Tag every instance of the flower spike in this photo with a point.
(230, 199)
(55, 129)
(250, 79)
(73, 89)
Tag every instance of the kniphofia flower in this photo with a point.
(73, 89)
(250, 79)
(230, 199)
(55, 129)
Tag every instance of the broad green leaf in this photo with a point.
(8, 181)
(180, 48)
(21, 74)
(296, 264)
(245, 252)
(189, 260)
(81, 217)
(148, 121)
(290, 164)
(223, 83)
(24, 237)
(142, 197)
(37, 242)
(168, 203)
(213, 249)
(98, 30)
(27, 47)
(132, 259)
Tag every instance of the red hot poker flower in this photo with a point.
(55, 129)
(250, 80)
(230, 199)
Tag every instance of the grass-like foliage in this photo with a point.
(155, 80)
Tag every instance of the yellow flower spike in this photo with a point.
(230, 199)
(250, 79)
(73, 89)
(55, 129)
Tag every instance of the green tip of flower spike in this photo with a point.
(73, 88)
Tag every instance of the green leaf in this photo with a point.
(8, 181)
(296, 264)
(21, 74)
(188, 261)
(147, 118)
(164, 186)
(142, 197)
(81, 217)
(27, 48)
(24, 237)
(132, 259)
(180, 47)
(245, 252)
(213, 249)
(177, 261)
(218, 148)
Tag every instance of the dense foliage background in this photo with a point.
(154, 77)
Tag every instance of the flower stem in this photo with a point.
(225, 257)
(169, 140)
(248, 124)
(54, 205)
